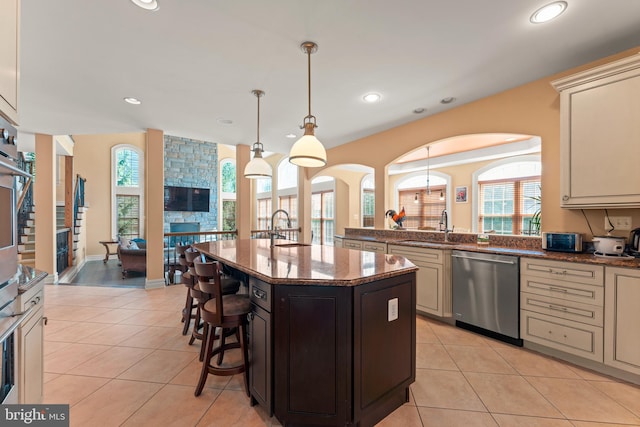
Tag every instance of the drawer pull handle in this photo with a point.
(563, 272)
(564, 291)
(557, 308)
(259, 294)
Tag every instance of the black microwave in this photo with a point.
(562, 242)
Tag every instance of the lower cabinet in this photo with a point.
(260, 345)
(561, 306)
(433, 280)
(622, 319)
(30, 347)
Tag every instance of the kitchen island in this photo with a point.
(332, 330)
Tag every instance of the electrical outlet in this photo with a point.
(619, 222)
(392, 309)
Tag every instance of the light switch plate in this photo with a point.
(392, 313)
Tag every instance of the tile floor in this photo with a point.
(117, 356)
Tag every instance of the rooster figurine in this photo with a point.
(398, 218)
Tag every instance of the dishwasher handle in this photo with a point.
(497, 261)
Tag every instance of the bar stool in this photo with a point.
(229, 286)
(188, 280)
(227, 312)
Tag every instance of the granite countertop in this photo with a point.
(27, 277)
(308, 264)
(587, 258)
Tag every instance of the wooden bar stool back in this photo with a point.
(226, 312)
(188, 280)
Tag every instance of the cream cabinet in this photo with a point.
(562, 306)
(30, 346)
(433, 279)
(365, 245)
(9, 59)
(622, 319)
(337, 242)
(600, 136)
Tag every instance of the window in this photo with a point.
(127, 191)
(368, 201)
(290, 204)
(509, 198)
(322, 217)
(287, 193)
(228, 194)
(264, 213)
(423, 209)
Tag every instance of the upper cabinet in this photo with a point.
(9, 59)
(600, 136)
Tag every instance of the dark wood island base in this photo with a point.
(332, 351)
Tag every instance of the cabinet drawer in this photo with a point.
(564, 335)
(563, 290)
(578, 312)
(572, 272)
(260, 293)
(374, 247)
(352, 244)
(36, 299)
(434, 256)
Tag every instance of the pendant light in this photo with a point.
(308, 151)
(258, 167)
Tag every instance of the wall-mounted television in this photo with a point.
(186, 199)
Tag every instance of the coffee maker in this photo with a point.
(634, 242)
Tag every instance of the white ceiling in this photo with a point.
(193, 62)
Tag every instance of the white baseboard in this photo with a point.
(154, 283)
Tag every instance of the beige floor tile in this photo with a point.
(534, 364)
(592, 424)
(424, 333)
(578, 400)
(190, 376)
(505, 420)
(173, 406)
(47, 376)
(111, 363)
(55, 325)
(72, 313)
(627, 395)
(444, 389)
(448, 334)
(405, 416)
(181, 343)
(71, 389)
(149, 337)
(160, 366)
(71, 356)
(112, 404)
(231, 409)
(589, 375)
(510, 394)
(75, 332)
(435, 417)
(112, 334)
(433, 356)
(115, 315)
(117, 302)
(150, 318)
(53, 346)
(478, 359)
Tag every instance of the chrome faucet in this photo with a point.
(444, 221)
(272, 231)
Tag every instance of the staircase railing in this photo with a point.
(78, 197)
(25, 190)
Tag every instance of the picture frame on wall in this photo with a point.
(461, 194)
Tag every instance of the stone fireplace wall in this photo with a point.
(192, 163)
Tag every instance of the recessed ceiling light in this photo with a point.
(225, 121)
(418, 110)
(147, 4)
(447, 100)
(132, 100)
(548, 12)
(290, 135)
(372, 97)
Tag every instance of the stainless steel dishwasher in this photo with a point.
(486, 294)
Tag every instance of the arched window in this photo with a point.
(508, 196)
(368, 198)
(423, 206)
(228, 194)
(127, 190)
